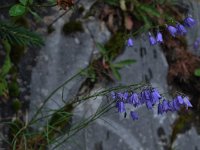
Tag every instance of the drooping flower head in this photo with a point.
(149, 104)
(171, 106)
(134, 99)
(152, 40)
(176, 104)
(160, 109)
(181, 29)
(187, 102)
(159, 37)
(121, 107)
(113, 95)
(165, 105)
(172, 30)
(150, 97)
(180, 99)
(155, 96)
(189, 22)
(134, 115)
(130, 42)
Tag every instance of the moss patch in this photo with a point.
(115, 45)
(16, 105)
(71, 27)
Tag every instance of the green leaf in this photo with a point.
(19, 35)
(37, 17)
(3, 86)
(7, 63)
(6, 67)
(197, 72)
(115, 72)
(17, 10)
(123, 63)
(150, 10)
(24, 2)
(101, 48)
(143, 17)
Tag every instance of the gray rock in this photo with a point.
(60, 59)
(64, 56)
(110, 132)
(189, 140)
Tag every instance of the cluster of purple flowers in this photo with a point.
(178, 29)
(149, 97)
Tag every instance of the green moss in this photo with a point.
(16, 105)
(115, 45)
(50, 29)
(13, 89)
(60, 120)
(81, 9)
(71, 27)
(16, 53)
(87, 15)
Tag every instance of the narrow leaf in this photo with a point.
(101, 48)
(115, 73)
(19, 35)
(3, 86)
(123, 63)
(150, 10)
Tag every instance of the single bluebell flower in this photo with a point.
(134, 99)
(152, 40)
(187, 102)
(160, 108)
(180, 99)
(142, 97)
(172, 30)
(181, 29)
(159, 37)
(130, 42)
(113, 95)
(196, 43)
(171, 106)
(131, 100)
(121, 106)
(189, 21)
(149, 104)
(155, 96)
(125, 96)
(120, 95)
(165, 105)
(176, 104)
(134, 115)
(147, 94)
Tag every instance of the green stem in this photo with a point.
(101, 93)
(52, 93)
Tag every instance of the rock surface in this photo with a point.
(63, 57)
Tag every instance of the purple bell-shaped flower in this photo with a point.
(189, 22)
(152, 40)
(172, 30)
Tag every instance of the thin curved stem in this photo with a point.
(52, 93)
